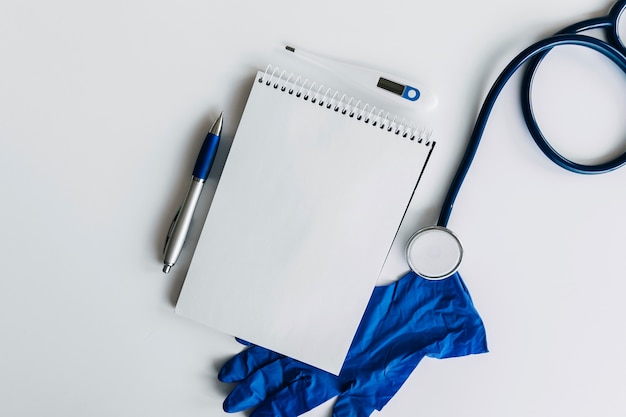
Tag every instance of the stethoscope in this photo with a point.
(435, 252)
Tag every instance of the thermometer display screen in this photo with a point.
(390, 86)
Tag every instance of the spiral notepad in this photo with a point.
(311, 197)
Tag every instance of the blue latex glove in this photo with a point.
(403, 322)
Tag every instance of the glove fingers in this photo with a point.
(240, 366)
(260, 385)
(304, 393)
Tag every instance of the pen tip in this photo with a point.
(216, 129)
(166, 268)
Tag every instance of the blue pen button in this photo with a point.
(411, 93)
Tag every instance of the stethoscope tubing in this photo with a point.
(533, 55)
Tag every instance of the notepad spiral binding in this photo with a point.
(309, 91)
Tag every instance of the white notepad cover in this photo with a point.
(302, 220)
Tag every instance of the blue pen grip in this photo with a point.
(206, 156)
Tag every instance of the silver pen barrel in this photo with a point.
(180, 226)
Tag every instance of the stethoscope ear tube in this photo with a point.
(535, 50)
(533, 55)
(612, 32)
(614, 50)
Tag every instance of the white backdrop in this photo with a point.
(103, 106)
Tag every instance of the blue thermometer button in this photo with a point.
(405, 91)
(411, 93)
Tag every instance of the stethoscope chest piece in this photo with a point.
(434, 252)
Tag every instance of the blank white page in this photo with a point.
(301, 223)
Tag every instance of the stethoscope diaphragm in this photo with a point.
(434, 252)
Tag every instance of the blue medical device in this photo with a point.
(438, 240)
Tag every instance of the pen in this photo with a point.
(180, 225)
